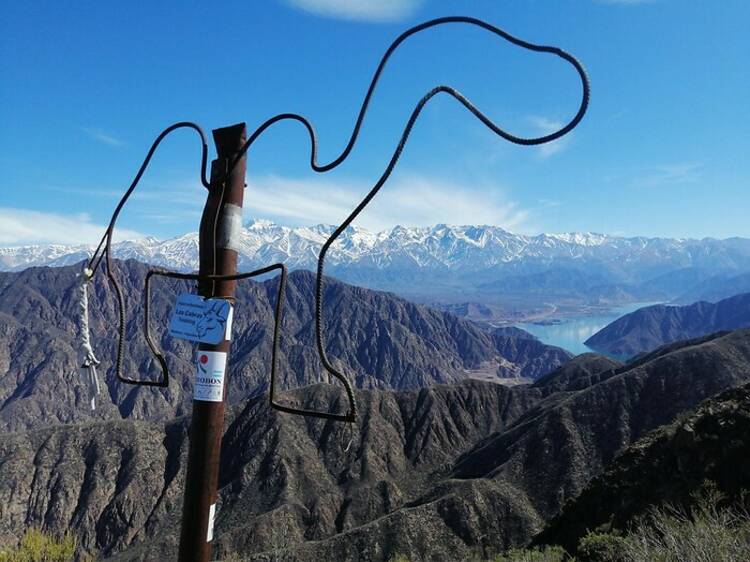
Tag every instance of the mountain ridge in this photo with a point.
(424, 476)
(650, 327)
(378, 339)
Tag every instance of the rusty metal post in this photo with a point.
(207, 425)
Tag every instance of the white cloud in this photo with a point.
(669, 174)
(545, 127)
(408, 201)
(548, 203)
(169, 204)
(182, 192)
(102, 136)
(361, 10)
(171, 216)
(24, 226)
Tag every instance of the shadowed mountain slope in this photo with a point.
(653, 326)
(667, 466)
(582, 371)
(380, 340)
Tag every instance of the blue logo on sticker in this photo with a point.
(201, 320)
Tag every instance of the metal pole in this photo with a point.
(218, 240)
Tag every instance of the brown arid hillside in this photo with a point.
(380, 340)
(438, 473)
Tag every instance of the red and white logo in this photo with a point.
(202, 363)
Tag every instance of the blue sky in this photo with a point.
(663, 150)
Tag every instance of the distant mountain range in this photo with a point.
(379, 339)
(717, 288)
(455, 263)
(444, 473)
(653, 326)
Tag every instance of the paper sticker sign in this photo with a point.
(209, 376)
(205, 321)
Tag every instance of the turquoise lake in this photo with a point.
(570, 333)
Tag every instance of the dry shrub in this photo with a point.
(704, 533)
(38, 546)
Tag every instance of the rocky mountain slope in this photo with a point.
(669, 465)
(653, 326)
(436, 474)
(454, 262)
(117, 482)
(382, 341)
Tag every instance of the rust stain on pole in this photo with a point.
(207, 423)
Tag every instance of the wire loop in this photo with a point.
(105, 244)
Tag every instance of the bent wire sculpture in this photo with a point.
(103, 251)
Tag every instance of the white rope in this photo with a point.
(86, 358)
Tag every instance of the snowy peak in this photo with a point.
(580, 238)
(440, 248)
(259, 224)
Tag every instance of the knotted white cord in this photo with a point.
(86, 358)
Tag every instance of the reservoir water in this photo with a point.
(570, 333)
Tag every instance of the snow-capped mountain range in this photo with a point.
(439, 253)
